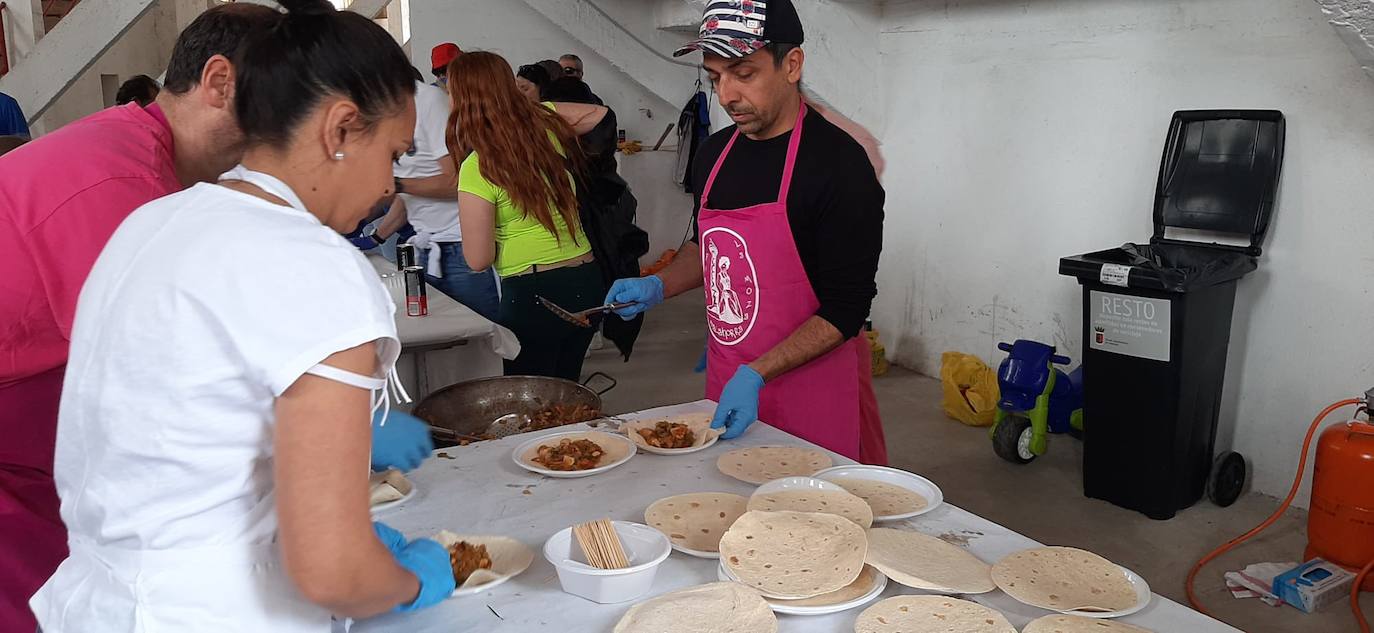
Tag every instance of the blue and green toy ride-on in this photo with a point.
(1037, 399)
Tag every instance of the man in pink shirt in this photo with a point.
(61, 197)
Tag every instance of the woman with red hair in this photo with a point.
(517, 204)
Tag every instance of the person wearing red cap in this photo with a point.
(789, 228)
(439, 59)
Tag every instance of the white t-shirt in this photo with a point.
(203, 308)
(439, 218)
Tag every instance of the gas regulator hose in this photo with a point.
(1283, 507)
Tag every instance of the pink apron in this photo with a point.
(757, 294)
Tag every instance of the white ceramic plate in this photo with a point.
(911, 481)
(782, 606)
(1143, 595)
(603, 439)
(390, 505)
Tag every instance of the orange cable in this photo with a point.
(1355, 596)
(1283, 507)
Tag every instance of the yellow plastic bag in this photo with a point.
(970, 389)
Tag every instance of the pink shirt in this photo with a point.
(61, 197)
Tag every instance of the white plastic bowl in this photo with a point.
(646, 548)
(797, 484)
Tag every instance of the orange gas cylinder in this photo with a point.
(1340, 522)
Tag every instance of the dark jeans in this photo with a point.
(550, 346)
(474, 290)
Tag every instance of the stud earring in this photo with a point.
(338, 155)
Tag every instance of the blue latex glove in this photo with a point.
(425, 558)
(701, 364)
(739, 403)
(403, 442)
(645, 292)
(389, 536)
(365, 242)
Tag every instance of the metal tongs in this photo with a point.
(583, 317)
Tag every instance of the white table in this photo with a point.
(482, 491)
(450, 344)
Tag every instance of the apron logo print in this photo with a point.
(731, 286)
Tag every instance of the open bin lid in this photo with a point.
(1220, 174)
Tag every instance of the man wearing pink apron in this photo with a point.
(789, 229)
(61, 197)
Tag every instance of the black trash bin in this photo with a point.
(1157, 317)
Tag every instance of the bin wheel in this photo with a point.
(1012, 440)
(1227, 480)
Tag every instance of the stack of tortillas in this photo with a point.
(930, 614)
(696, 521)
(1064, 579)
(885, 499)
(722, 607)
(862, 586)
(794, 555)
(765, 463)
(1076, 624)
(837, 502)
(925, 562)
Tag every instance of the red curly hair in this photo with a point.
(514, 138)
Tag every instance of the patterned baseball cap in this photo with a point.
(738, 28)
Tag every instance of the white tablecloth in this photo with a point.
(482, 491)
(452, 342)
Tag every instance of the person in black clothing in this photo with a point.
(532, 80)
(608, 207)
(834, 212)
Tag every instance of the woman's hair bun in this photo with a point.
(306, 7)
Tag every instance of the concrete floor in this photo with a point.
(1042, 500)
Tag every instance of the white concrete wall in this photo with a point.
(1022, 132)
(1354, 22)
(143, 50)
(522, 35)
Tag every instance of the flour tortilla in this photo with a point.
(930, 614)
(827, 501)
(886, 499)
(509, 557)
(1064, 579)
(722, 607)
(850, 592)
(614, 448)
(925, 562)
(794, 555)
(763, 464)
(696, 521)
(388, 486)
(700, 423)
(1077, 624)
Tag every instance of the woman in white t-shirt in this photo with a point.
(213, 440)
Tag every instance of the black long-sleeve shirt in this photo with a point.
(835, 208)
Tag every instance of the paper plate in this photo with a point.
(1017, 575)
(619, 449)
(509, 558)
(892, 476)
(1143, 596)
(876, 584)
(700, 423)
